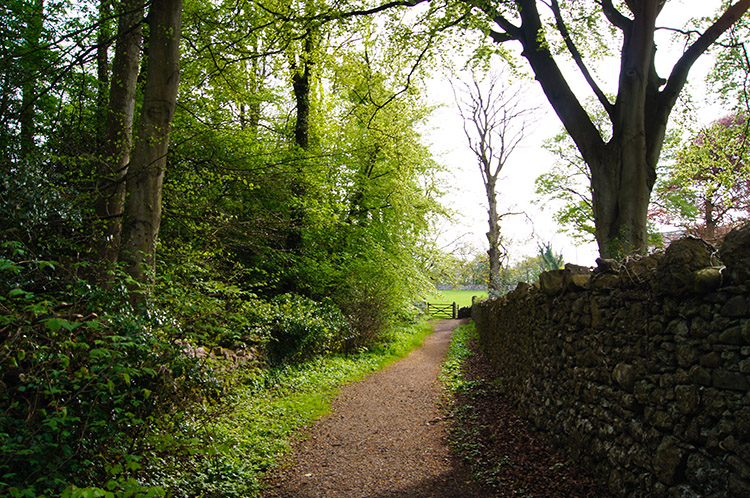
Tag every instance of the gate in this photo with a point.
(438, 310)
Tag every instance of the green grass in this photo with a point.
(451, 371)
(257, 423)
(461, 297)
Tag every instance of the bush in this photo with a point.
(82, 396)
(302, 328)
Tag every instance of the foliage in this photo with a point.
(731, 72)
(568, 182)
(465, 270)
(548, 259)
(271, 257)
(302, 328)
(82, 395)
(122, 404)
(706, 191)
(247, 432)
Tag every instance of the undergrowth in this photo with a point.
(253, 426)
(461, 393)
(451, 373)
(98, 399)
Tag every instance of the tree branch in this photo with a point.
(499, 37)
(678, 77)
(556, 88)
(614, 16)
(563, 29)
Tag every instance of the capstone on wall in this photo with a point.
(640, 371)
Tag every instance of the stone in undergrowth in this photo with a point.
(607, 266)
(735, 254)
(642, 269)
(736, 307)
(710, 360)
(732, 336)
(605, 281)
(575, 272)
(687, 398)
(700, 375)
(706, 280)
(724, 379)
(578, 282)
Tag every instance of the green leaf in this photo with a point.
(19, 292)
(46, 264)
(55, 324)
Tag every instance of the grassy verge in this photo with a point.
(466, 437)
(451, 373)
(256, 425)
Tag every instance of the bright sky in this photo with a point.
(516, 188)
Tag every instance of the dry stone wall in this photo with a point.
(639, 371)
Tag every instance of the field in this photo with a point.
(461, 297)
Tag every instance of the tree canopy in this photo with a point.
(622, 166)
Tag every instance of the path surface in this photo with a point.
(385, 438)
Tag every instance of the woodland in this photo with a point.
(205, 205)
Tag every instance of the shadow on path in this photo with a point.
(385, 437)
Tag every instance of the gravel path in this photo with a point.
(385, 437)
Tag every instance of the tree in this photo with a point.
(707, 191)
(26, 118)
(731, 72)
(623, 168)
(146, 170)
(495, 122)
(118, 128)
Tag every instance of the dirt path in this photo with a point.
(385, 437)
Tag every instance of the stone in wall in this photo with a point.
(735, 254)
(676, 271)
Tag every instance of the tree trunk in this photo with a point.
(301, 85)
(146, 171)
(711, 224)
(102, 71)
(301, 79)
(115, 152)
(493, 235)
(27, 115)
(621, 175)
(620, 200)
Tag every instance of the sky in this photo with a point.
(516, 186)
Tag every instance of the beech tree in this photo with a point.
(118, 128)
(623, 168)
(149, 159)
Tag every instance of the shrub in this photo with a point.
(83, 395)
(302, 328)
